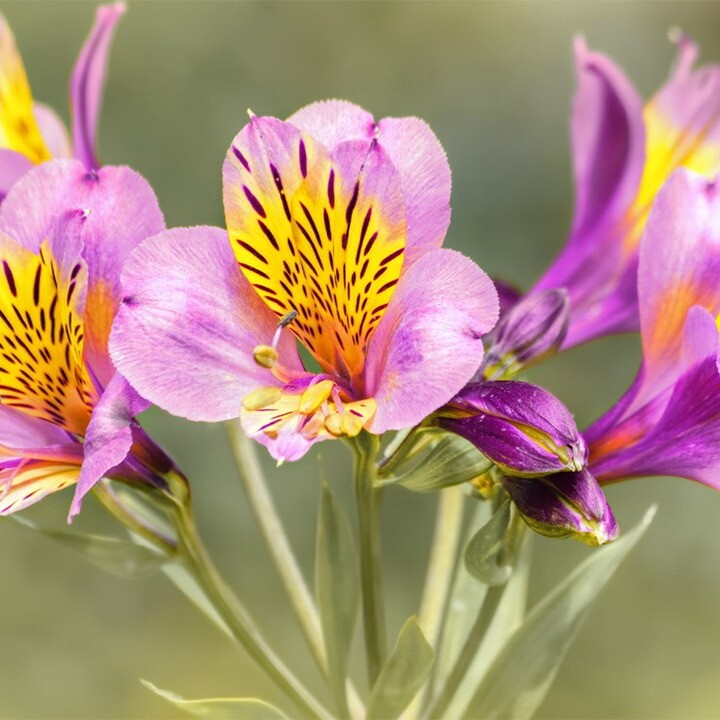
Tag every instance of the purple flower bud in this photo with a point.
(522, 428)
(564, 505)
(531, 330)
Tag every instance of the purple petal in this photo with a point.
(120, 211)
(13, 166)
(564, 505)
(413, 149)
(608, 153)
(53, 130)
(522, 428)
(508, 294)
(185, 332)
(87, 82)
(109, 436)
(428, 344)
(530, 331)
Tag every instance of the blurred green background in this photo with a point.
(495, 81)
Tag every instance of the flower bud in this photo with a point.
(564, 505)
(531, 330)
(522, 428)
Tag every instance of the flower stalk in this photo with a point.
(368, 508)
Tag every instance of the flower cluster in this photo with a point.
(333, 245)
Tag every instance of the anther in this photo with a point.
(265, 356)
(314, 397)
(261, 397)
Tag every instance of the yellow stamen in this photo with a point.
(315, 396)
(261, 398)
(265, 356)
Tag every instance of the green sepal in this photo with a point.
(486, 554)
(443, 460)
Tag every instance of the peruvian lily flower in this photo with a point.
(334, 230)
(622, 155)
(66, 416)
(668, 423)
(32, 133)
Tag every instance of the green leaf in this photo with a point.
(404, 673)
(337, 589)
(449, 460)
(484, 553)
(518, 680)
(121, 558)
(221, 708)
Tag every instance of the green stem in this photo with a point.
(236, 616)
(273, 532)
(368, 507)
(467, 654)
(443, 557)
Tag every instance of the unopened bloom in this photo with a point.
(31, 133)
(531, 330)
(622, 155)
(67, 416)
(568, 504)
(668, 423)
(524, 429)
(335, 224)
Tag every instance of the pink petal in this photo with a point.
(88, 80)
(13, 166)
(428, 344)
(332, 122)
(109, 436)
(53, 130)
(120, 211)
(186, 330)
(413, 149)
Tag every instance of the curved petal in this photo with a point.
(32, 481)
(413, 149)
(109, 436)
(53, 130)
(428, 344)
(88, 79)
(120, 211)
(332, 122)
(185, 332)
(608, 139)
(13, 166)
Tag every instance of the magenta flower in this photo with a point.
(31, 133)
(335, 224)
(668, 423)
(66, 415)
(622, 154)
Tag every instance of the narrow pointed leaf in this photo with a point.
(518, 680)
(404, 673)
(121, 558)
(451, 460)
(337, 588)
(484, 553)
(220, 708)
